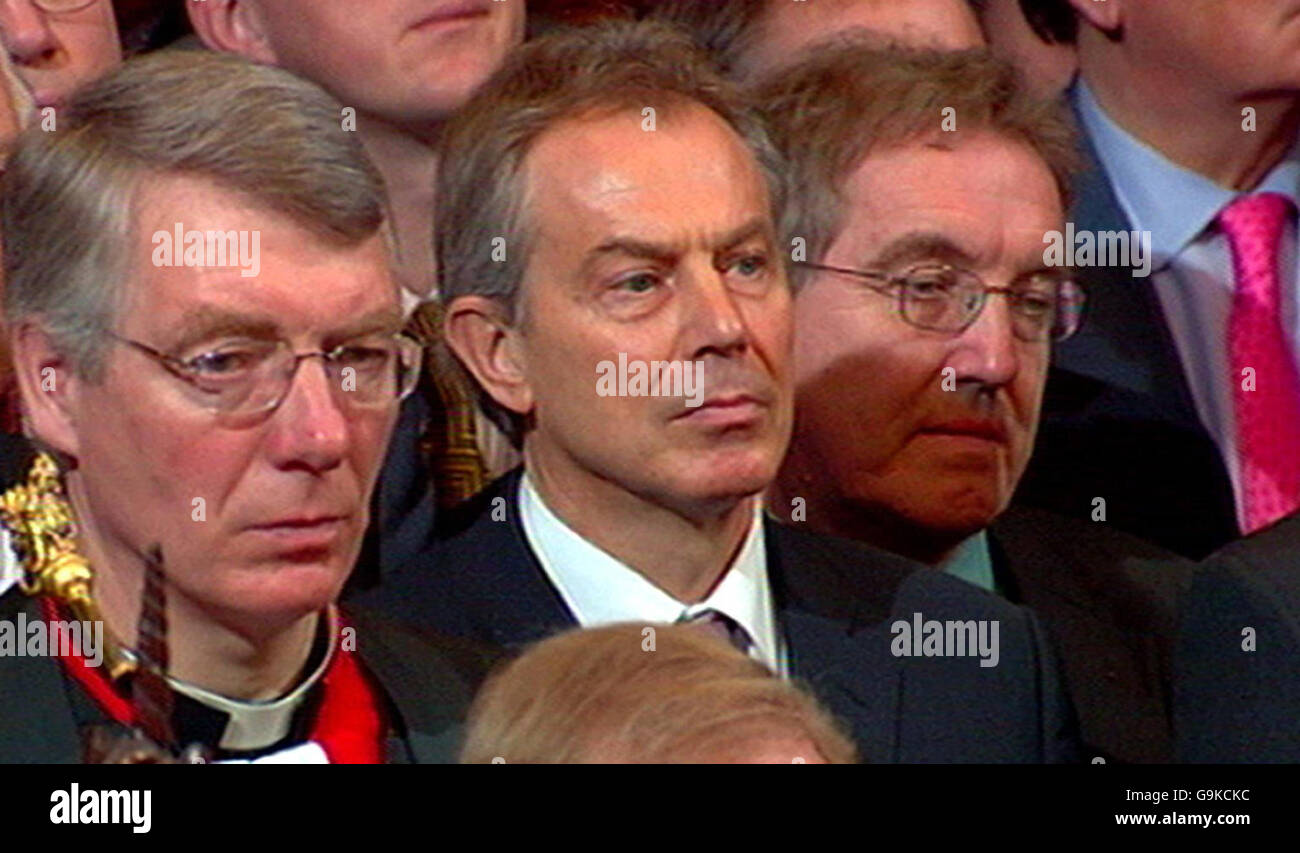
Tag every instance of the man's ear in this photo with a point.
(232, 26)
(48, 388)
(1104, 15)
(478, 332)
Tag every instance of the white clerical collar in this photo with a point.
(601, 590)
(256, 725)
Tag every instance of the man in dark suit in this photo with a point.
(634, 334)
(213, 372)
(925, 274)
(1178, 405)
(1237, 688)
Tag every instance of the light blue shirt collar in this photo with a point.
(972, 562)
(1175, 204)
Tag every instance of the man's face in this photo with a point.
(410, 62)
(784, 28)
(1249, 46)
(875, 428)
(55, 53)
(657, 245)
(260, 521)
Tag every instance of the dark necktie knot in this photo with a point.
(722, 626)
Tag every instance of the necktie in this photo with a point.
(1267, 408)
(450, 442)
(721, 626)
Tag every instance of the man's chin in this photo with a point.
(286, 590)
(957, 516)
(727, 480)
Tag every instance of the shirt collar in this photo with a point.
(600, 590)
(256, 725)
(1144, 181)
(972, 562)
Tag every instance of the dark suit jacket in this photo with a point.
(427, 686)
(1109, 600)
(403, 507)
(1119, 421)
(836, 601)
(1234, 705)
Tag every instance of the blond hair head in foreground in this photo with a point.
(635, 693)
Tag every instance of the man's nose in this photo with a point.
(988, 351)
(713, 321)
(25, 32)
(309, 429)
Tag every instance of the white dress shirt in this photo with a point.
(1192, 260)
(600, 590)
(11, 571)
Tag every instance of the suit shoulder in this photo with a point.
(823, 549)
(1257, 573)
(1269, 553)
(431, 677)
(845, 574)
(1090, 563)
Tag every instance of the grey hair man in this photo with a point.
(204, 317)
(921, 266)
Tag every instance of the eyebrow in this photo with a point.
(933, 246)
(663, 252)
(379, 321)
(207, 322)
(922, 246)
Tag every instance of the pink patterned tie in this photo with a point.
(1268, 417)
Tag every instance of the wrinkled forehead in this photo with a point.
(628, 167)
(206, 259)
(987, 195)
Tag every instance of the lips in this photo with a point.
(453, 12)
(304, 538)
(301, 522)
(979, 428)
(728, 410)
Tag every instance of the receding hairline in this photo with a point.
(578, 123)
(951, 142)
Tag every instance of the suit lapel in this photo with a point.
(1124, 340)
(835, 622)
(500, 581)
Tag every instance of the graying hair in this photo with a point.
(849, 98)
(596, 69)
(722, 27)
(69, 195)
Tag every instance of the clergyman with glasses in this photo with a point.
(210, 440)
(924, 321)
